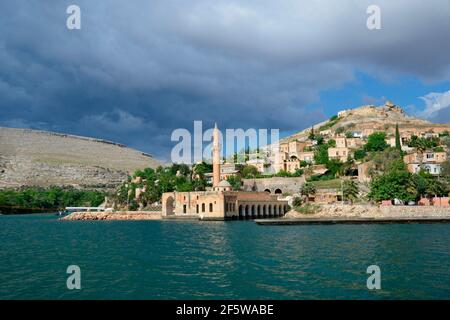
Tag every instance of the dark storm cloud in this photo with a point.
(138, 70)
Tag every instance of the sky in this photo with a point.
(137, 70)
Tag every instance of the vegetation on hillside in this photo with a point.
(49, 198)
(398, 183)
(154, 182)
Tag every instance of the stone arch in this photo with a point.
(275, 210)
(267, 190)
(278, 191)
(253, 211)
(280, 210)
(247, 212)
(241, 212)
(170, 207)
(258, 211)
(269, 209)
(264, 211)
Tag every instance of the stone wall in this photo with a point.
(372, 211)
(414, 211)
(275, 184)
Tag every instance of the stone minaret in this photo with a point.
(216, 157)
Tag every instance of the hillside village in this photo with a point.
(368, 155)
(350, 158)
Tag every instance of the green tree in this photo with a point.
(321, 154)
(376, 142)
(304, 163)
(359, 154)
(307, 190)
(332, 143)
(398, 144)
(236, 182)
(382, 160)
(335, 166)
(311, 135)
(396, 183)
(249, 172)
(350, 190)
(420, 145)
(435, 188)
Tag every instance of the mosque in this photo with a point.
(221, 203)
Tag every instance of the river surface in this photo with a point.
(220, 260)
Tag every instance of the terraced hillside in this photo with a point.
(40, 158)
(370, 117)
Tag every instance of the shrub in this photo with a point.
(297, 202)
(359, 154)
(308, 209)
(340, 130)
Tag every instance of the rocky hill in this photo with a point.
(40, 158)
(370, 117)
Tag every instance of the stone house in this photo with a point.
(431, 162)
(339, 153)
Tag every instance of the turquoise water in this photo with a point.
(220, 260)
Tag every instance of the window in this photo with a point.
(210, 207)
(203, 207)
(184, 208)
(197, 209)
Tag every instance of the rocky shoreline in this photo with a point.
(322, 211)
(113, 216)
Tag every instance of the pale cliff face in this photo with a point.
(39, 158)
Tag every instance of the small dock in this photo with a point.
(351, 220)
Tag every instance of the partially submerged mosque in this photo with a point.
(221, 203)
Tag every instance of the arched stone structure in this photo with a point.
(170, 206)
(241, 212)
